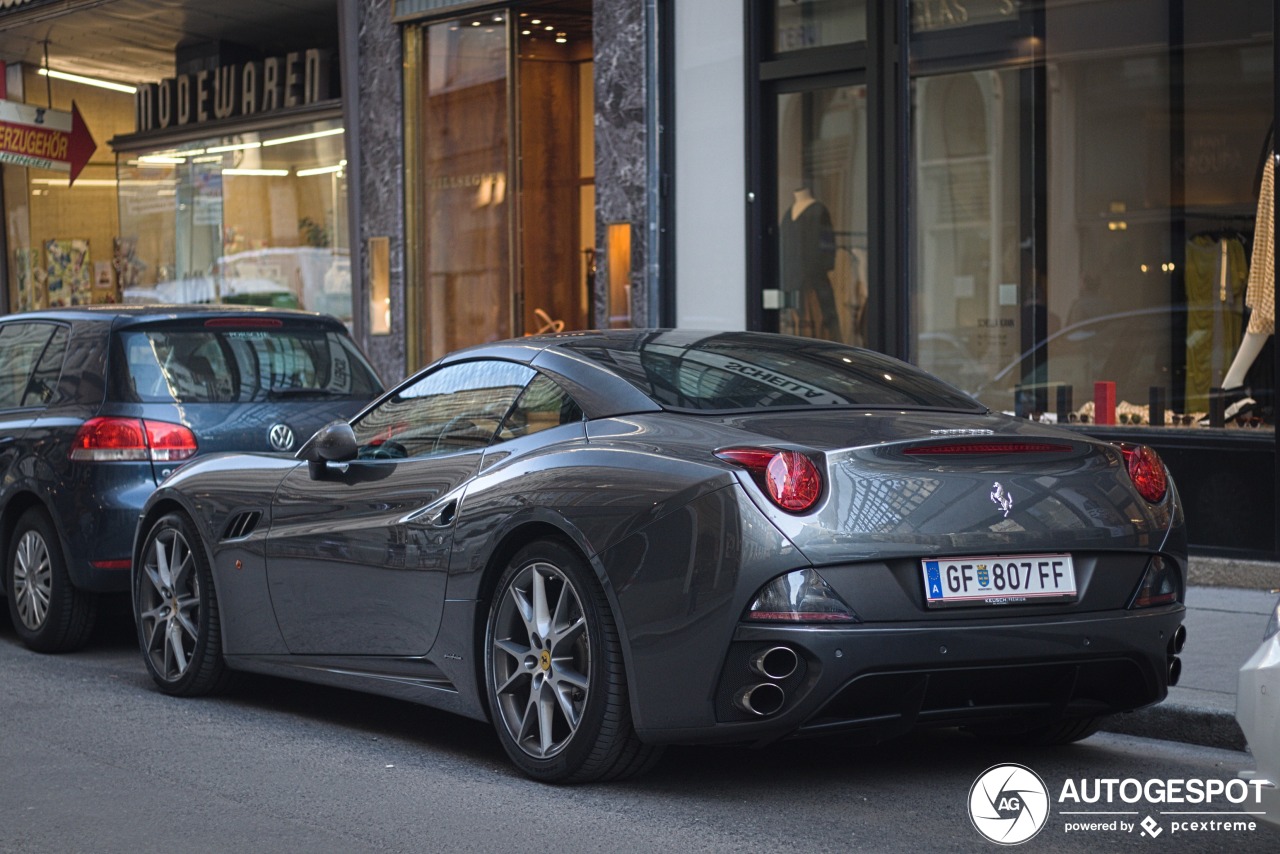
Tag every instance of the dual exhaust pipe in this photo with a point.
(762, 699)
(1176, 643)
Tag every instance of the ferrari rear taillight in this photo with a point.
(802, 596)
(1146, 471)
(1159, 585)
(789, 478)
(103, 440)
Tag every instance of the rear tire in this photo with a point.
(1064, 731)
(49, 613)
(176, 611)
(554, 673)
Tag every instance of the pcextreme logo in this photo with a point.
(1010, 803)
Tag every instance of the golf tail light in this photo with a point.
(1159, 584)
(802, 596)
(1146, 471)
(103, 440)
(790, 478)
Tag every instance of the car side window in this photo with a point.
(542, 405)
(21, 346)
(455, 408)
(44, 379)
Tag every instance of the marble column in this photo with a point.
(622, 81)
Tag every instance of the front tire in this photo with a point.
(176, 611)
(554, 672)
(48, 612)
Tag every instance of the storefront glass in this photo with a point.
(821, 216)
(803, 24)
(60, 234)
(259, 218)
(1088, 209)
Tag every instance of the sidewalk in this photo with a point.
(1228, 603)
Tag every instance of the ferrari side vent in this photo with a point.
(242, 524)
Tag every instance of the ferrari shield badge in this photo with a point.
(1001, 498)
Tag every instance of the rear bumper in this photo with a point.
(100, 520)
(881, 680)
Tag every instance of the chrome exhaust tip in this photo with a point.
(1175, 670)
(762, 699)
(1179, 640)
(776, 662)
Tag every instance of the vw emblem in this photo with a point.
(1001, 498)
(280, 437)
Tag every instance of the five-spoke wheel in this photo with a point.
(541, 657)
(554, 673)
(176, 611)
(49, 613)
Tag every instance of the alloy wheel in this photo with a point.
(32, 579)
(540, 657)
(169, 604)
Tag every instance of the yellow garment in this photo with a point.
(1215, 279)
(1262, 271)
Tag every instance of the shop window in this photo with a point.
(1087, 208)
(821, 284)
(255, 219)
(60, 233)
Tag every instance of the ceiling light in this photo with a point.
(239, 146)
(88, 81)
(300, 137)
(80, 182)
(160, 160)
(262, 173)
(319, 170)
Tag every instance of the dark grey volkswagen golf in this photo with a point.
(99, 404)
(606, 542)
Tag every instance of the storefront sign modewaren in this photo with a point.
(297, 79)
(44, 138)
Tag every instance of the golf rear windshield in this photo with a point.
(226, 364)
(746, 371)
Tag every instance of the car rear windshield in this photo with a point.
(224, 363)
(746, 371)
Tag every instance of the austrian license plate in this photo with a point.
(999, 580)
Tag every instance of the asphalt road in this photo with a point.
(93, 759)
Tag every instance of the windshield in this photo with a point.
(744, 371)
(227, 364)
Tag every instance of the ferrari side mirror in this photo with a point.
(335, 442)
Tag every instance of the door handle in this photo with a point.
(438, 515)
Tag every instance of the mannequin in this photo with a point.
(1260, 297)
(807, 249)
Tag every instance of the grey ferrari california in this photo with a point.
(605, 542)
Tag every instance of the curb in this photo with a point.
(1174, 721)
(1233, 572)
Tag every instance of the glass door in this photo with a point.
(464, 134)
(504, 175)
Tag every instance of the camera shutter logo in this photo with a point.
(1008, 804)
(281, 437)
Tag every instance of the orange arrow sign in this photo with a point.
(44, 138)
